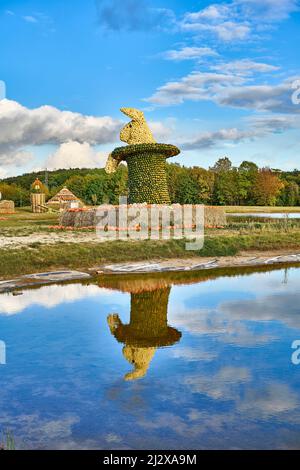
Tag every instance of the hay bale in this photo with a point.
(213, 216)
(78, 218)
(7, 207)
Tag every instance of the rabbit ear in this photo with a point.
(134, 114)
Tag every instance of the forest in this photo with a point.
(221, 184)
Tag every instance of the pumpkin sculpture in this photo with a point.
(146, 161)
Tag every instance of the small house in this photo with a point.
(64, 199)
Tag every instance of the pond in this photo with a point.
(154, 362)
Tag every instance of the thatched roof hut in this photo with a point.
(65, 199)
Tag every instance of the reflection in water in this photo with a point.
(228, 383)
(147, 330)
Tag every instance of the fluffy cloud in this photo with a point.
(220, 385)
(76, 155)
(239, 19)
(48, 125)
(162, 130)
(244, 67)
(268, 400)
(74, 133)
(267, 10)
(226, 31)
(257, 127)
(272, 98)
(21, 127)
(196, 86)
(49, 297)
(282, 308)
(189, 53)
(210, 139)
(230, 89)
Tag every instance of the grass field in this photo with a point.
(34, 246)
(267, 209)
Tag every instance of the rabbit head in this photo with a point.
(136, 131)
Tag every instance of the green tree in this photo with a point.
(246, 181)
(222, 165)
(289, 195)
(205, 184)
(13, 192)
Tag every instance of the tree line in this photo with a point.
(221, 184)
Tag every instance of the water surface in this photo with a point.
(144, 363)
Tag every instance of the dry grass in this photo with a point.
(253, 209)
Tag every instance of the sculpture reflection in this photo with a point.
(148, 328)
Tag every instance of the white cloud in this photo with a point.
(244, 67)
(267, 10)
(237, 20)
(272, 399)
(49, 297)
(221, 385)
(272, 98)
(48, 125)
(210, 139)
(76, 155)
(30, 19)
(226, 31)
(212, 12)
(257, 127)
(189, 53)
(74, 134)
(195, 86)
(161, 129)
(21, 127)
(231, 88)
(189, 354)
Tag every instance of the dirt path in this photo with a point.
(47, 239)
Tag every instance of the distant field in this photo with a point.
(239, 209)
(24, 222)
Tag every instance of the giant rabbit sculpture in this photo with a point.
(145, 158)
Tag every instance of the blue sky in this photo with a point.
(215, 78)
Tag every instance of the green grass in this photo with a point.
(239, 235)
(24, 223)
(85, 255)
(8, 441)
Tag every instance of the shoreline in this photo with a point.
(253, 259)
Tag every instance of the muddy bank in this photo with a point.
(199, 263)
(243, 260)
